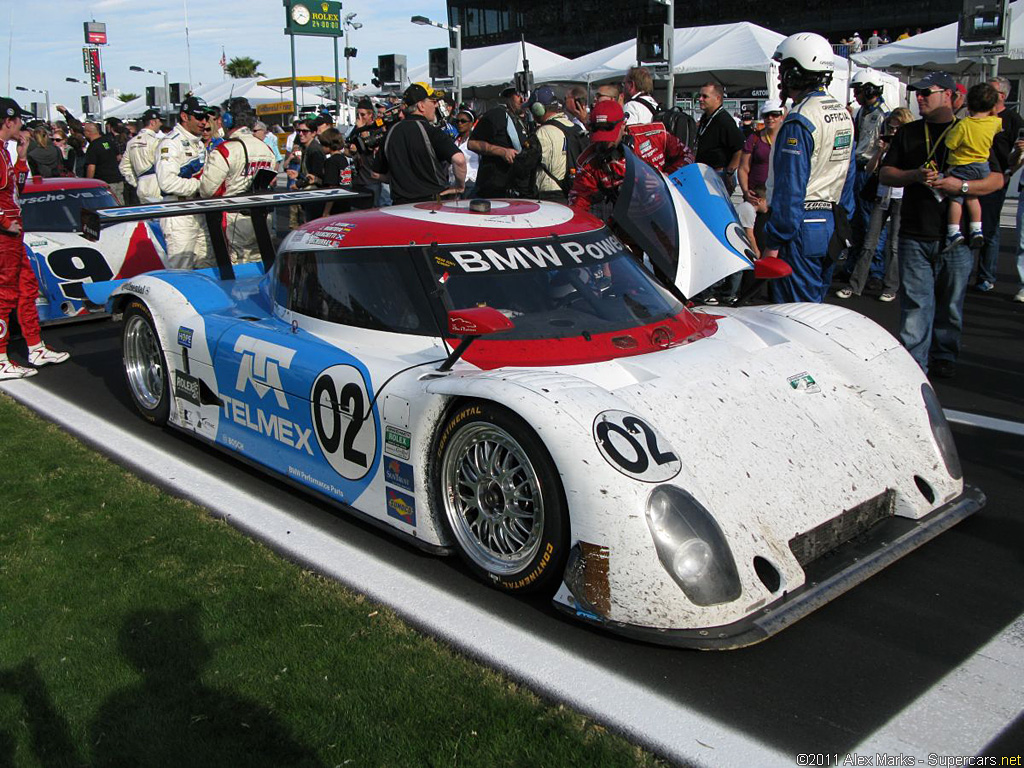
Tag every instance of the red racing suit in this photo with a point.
(18, 285)
(598, 179)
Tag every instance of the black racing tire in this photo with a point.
(499, 495)
(145, 366)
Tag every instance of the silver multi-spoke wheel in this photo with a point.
(143, 362)
(492, 498)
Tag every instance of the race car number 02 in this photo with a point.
(347, 434)
(634, 447)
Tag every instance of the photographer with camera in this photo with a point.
(416, 151)
(362, 143)
(231, 168)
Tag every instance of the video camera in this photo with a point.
(368, 137)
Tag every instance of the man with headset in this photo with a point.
(810, 184)
(231, 168)
(867, 127)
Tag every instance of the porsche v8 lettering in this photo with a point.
(260, 364)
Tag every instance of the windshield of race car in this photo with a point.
(59, 210)
(553, 287)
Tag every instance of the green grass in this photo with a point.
(136, 630)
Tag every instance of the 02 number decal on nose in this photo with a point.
(634, 447)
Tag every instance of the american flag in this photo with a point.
(223, 59)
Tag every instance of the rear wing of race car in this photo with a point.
(258, 205)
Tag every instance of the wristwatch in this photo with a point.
(964, 189)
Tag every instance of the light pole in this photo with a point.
(455, 40)
(33, 90)
(167, 87)
(670, 45)
(349, 24)
(86, 83)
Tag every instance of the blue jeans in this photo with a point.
(1020, 240)
(879, 216)
(861, 210)
(988, 259)
(933, 282)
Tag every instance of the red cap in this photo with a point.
(604, 120)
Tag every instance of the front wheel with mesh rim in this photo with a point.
(145, 368)
(501, 498)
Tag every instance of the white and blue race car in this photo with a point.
(510, 382)
(64, 261)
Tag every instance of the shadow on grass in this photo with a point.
(169, 718)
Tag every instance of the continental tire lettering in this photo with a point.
(452, 424)
(526, 581)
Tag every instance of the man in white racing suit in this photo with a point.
(138, 166)
(179, 164)
(231, 168)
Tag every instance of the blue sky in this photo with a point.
(45, 51)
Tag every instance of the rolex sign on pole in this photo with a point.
(313, 17)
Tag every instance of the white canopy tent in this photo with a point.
(936, 49)
(487, 67)
(216, 93)
(737, 55)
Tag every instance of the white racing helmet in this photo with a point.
(867, 82)
(805, 59)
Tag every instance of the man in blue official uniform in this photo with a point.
(810, 186)
(867, 127)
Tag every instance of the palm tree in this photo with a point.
(243, 66)
(126, 97)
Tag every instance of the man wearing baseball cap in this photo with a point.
(602, 166)
(498, 137)
(933, 278)
(416, 152)
(138, 165)
(18, 285)
(179, 164)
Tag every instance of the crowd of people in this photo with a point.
(854, 43)
(820, 184)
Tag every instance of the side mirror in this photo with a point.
(771, 268)
(477, 321)
(471, 324)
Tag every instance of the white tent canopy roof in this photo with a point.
(737, 55)
(216, 93)
(720, 47)
(490, 66)
(936, 49)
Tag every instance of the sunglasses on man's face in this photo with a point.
(303, 130)
(604, 126)
(463, 120)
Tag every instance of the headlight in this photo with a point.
(941, 432)
(692, 547)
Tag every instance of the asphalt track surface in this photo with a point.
(925, 657)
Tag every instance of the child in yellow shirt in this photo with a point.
(968, 144)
